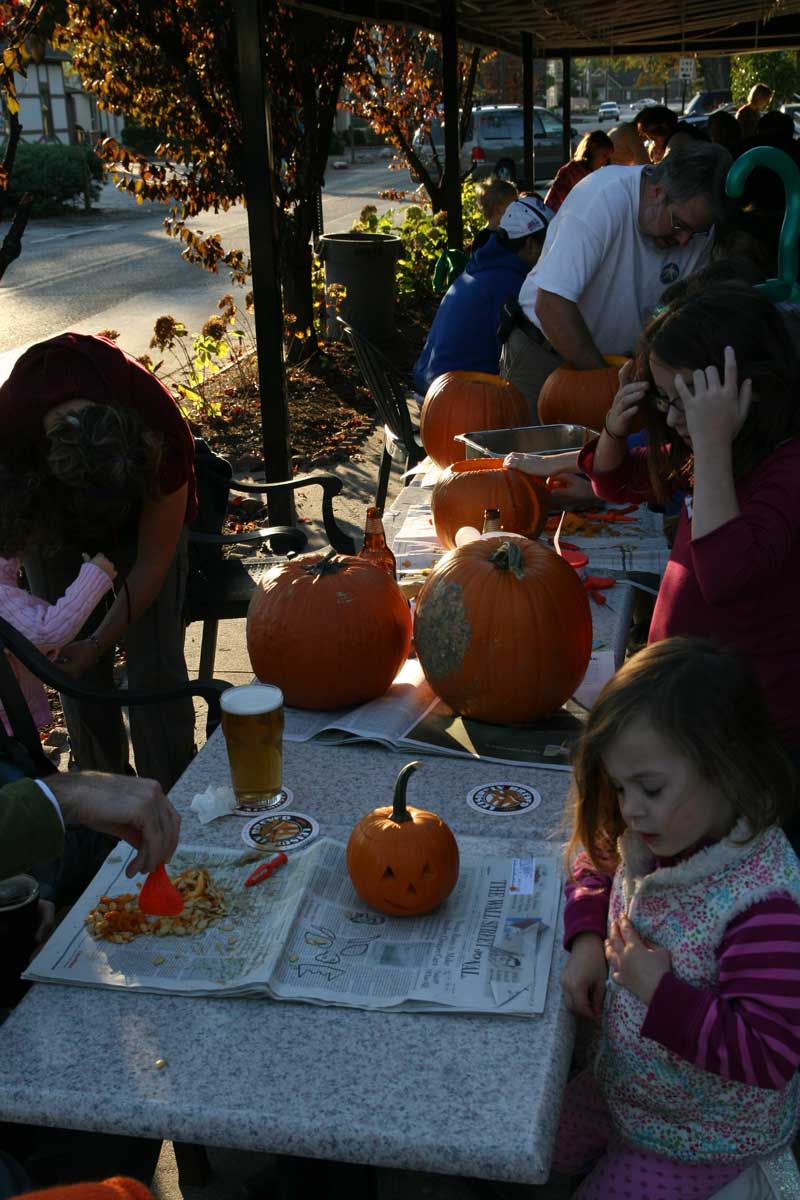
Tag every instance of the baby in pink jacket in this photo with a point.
(49, 626)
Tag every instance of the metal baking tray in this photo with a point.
(527, 439)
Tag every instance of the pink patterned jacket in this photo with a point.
(48, 626)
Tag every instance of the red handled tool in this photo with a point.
(264, 870)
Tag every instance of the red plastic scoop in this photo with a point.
(159, 897)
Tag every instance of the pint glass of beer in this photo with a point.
(252, 722)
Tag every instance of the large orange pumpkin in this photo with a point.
(329, 631)
(467, 488)
(503, 630)
(462, 401)
(402, 861)
(572, 397)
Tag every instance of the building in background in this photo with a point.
(53, 106)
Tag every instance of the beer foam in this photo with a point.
(251, 698)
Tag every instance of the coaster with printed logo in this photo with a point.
(286, 797)
(285, 831)
(504, 799)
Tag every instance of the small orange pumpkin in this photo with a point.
(503, 630)
(328, 631)
(572, 397)
(467, 488)
(463, 401)
(402, 861)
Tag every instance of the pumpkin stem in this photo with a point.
(325, 566)
(508, 557)
(399, 811)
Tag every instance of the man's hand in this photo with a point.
(636, 965)
(135, 810)
(583, 980)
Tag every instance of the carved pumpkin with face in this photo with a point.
(402, 861)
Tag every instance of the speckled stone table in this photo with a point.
(461, 1095)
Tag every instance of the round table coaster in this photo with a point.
(285, 831)
(504, 799)
(287, 796)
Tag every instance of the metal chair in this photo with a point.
(390, 391)
(22, 746)
(220, 588)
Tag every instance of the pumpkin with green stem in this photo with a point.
(402, 861)
(503, 630)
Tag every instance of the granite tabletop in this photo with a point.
(464, 1095)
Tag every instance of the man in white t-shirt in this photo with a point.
(620, 238)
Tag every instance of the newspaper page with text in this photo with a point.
(305, 935)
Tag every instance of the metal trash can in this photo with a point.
(364, 264)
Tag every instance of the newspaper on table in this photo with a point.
(637, 545)
(411, 717)
(305, 935)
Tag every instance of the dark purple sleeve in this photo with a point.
(740, 555)
(629, 483)
(587, 896)
(748, 1028)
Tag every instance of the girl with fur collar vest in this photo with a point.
(683, 921)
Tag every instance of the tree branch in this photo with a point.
(12, 243)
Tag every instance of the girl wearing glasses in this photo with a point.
(718, 383)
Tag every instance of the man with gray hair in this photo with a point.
(622, 235)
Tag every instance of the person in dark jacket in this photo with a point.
(463, 336)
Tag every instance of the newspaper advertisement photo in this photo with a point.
(305, 935)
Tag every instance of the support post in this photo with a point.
(528, 159)
(566, 105)
(452, 149)
(261, 219)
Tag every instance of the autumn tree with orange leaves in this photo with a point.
(394, 82)
(173, 67)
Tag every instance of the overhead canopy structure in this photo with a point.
(596, 27)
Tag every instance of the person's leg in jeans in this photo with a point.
(97, 734)
(162, 734)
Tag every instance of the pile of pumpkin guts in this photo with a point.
(119, 918)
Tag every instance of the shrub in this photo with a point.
(53, 174)
(142, 139)
(424, 238)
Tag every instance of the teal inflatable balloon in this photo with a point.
(785, 287)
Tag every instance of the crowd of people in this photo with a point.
(683, 902)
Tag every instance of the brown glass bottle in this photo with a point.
(491, 520)
(375, 549)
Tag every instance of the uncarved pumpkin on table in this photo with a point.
(503, 631)
(466, 488)
(464, 401)
(329, 631)
(572, 397)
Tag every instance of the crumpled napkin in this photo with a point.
(213, 802)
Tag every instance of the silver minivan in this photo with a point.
(493, 144)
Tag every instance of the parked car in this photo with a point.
(493, 144)
(609, 109)
(638, 105)
(702, 104)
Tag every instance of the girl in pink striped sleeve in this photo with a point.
(49, 626)
(683, 922)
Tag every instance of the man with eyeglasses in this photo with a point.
(620, 238)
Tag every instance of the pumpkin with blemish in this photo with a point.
(465, 401)
(503, 630)
(330, 631)
(402, 861)
(467, 488)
